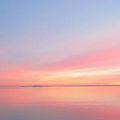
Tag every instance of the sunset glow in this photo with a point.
(51, 44)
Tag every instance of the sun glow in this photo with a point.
(81, 73)
(80, 77)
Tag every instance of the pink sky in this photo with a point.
(52, 44)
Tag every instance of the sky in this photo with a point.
(65, 42)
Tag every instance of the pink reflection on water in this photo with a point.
(75, 103)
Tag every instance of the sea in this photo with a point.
(60, 103)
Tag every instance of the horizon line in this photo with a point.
(58, 85)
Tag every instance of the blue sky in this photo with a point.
(43, 33)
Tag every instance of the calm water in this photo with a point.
(75, 103)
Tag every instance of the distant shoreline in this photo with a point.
(40, 86)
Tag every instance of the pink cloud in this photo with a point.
(106, 58)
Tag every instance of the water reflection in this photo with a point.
(75, 103)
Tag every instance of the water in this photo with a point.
(60, 103)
